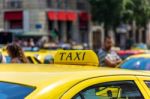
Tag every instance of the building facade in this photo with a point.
(66, 19)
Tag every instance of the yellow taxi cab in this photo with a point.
(30, 57)
(43, 55)
(74, 75)
(37, 55)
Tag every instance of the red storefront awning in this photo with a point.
(52, 15)
(84, 16)
(71, 16)
(13, 15)
(62, 16)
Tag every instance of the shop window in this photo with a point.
(49, 3)
(61, 3)
(81, 6)
(16, 24)
(13, 4)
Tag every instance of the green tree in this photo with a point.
(112, 12)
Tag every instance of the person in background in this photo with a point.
(16, 53)
(31, 42)
(107, 56)
(2, 59)
(129, 43)
(24, 43)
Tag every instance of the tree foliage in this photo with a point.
(112, 12)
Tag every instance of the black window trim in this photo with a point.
(30, 60)
(130, 75)
(38, 61)
(93, 86)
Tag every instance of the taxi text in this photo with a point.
(72, 56)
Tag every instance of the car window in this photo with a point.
(111, 90)
(148, 84)
(14, 91)
(137, 64)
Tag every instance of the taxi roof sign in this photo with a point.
(76, 57)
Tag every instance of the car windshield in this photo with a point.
(14, 91)
(136, 64)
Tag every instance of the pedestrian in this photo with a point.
(107, 56)
(24, 43)
(129, 43)
(31, 42)
(16, 53)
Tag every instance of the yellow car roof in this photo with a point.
(52, 78)
(31, 74)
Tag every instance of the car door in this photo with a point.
(109, 87)
(145, 82)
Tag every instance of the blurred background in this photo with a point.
(75, 23)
